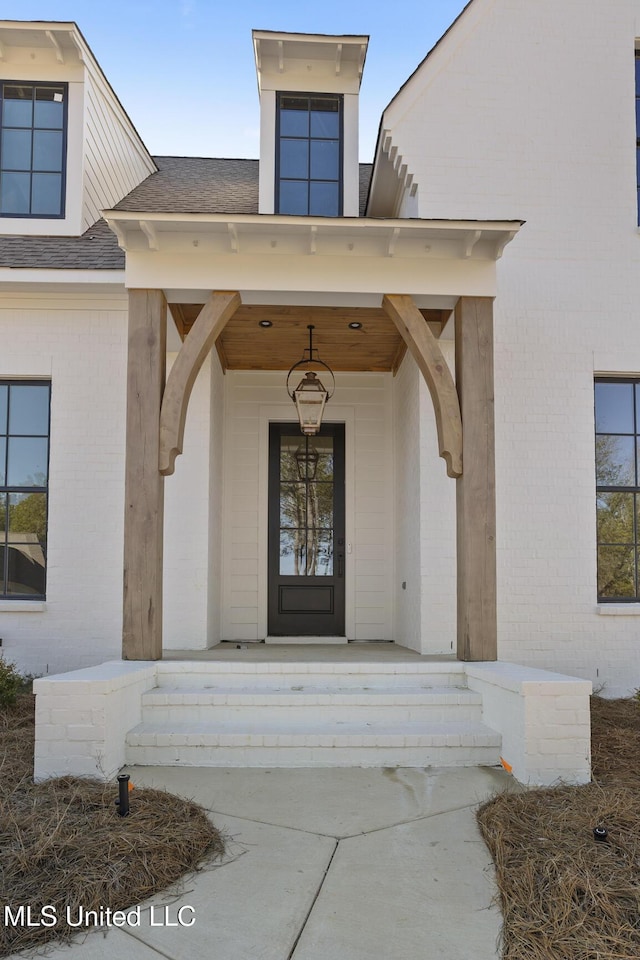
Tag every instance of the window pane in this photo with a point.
(615, 518)
(325, 119)
(29, 409)
(616, 572)
(325, 159)
(49, 107)
(27, 517)
(293, 197)
(47, 150)
(27, 462)
(293, 553)
(323, 199)
(46, 193)
(3, 525)
(26, 569)
(17, 109)
(4, 396)
(615, 466)
(294, 159)
(16, 150)
(614, 408)
(14, 192)
(294, 117)
(3, 460)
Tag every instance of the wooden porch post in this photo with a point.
(144, 484)
(475, 489)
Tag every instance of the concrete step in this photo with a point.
(315, 743)
(292, 703)
(192, 674)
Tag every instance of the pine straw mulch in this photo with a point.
(63, 843)
(563, 895)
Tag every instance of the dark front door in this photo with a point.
(306, 531)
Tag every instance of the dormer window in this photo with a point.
(32, 149)
(309, 155)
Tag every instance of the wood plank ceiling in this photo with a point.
(245, 345)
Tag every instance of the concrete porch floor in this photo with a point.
(379, 652)
(332, 864)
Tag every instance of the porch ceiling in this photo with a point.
(245, 345)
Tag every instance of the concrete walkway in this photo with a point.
(328, 864)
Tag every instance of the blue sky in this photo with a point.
(184, 69)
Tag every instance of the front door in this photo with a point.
(306, 531)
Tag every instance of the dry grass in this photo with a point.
(563, 895)
(63, 843)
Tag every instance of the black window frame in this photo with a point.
(339, 99)
(6, 489)
(629, 489)
(63, 171)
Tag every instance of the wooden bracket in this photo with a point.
(208, 326)
(427, 353)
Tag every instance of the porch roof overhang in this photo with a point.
(275, 259)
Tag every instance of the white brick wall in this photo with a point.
(514, 118)
(80, 343)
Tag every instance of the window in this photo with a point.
(24, 469)
(309, 155)
(617, 410)
(32, 149)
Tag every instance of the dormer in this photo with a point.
(309, 86)
(67, 147)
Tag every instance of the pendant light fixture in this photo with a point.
(310, 395)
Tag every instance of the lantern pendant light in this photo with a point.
(310, 396)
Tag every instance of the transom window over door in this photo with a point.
(24, 470)
(309, 155)
(33, 120)
(617, 414)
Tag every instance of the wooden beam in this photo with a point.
(426, 351)
(202, 336)
(475, 489)
(144, 486)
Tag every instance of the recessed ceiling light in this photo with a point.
(265, 323)
(355, 325)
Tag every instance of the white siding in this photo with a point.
(363, 400)
(115, 161)
(81, 344)
(510, 118)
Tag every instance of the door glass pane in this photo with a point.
(293, 552)
(293, 499)
(319, 553)
(320, 506)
